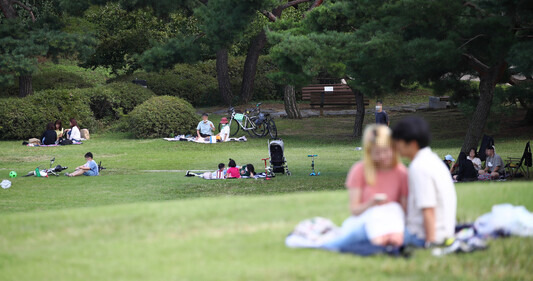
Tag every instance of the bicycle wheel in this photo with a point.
(259, 130)
(272, 129)
(234, 127)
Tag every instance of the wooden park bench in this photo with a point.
(331, 95)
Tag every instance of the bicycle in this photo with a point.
(248, 121)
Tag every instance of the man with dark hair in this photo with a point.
(205, 128)
(493, 164)
(381, 116)
(432, 201)
(89, 169)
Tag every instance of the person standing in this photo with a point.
(381, 116)
(205, 128)
(431, 200)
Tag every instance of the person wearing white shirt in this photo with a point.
(74, 132)
(225, 131)
(432, 200)
(472, 156)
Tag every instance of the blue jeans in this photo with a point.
(355, 241)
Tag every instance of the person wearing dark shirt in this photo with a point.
(49, 136)
(381, 116)
(466, 170)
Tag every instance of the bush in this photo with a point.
(111, 101)
(197, 83)
(162, 117)
(185, 82)
(22, 118)
(50, 80)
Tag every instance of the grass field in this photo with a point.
(133, 223)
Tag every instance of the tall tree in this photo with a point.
(258, 43)
(379, 42)
(30, 32)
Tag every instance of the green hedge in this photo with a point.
(23, 118)
(161, 117)
(111, 101)
(197, 83)
(50, 80)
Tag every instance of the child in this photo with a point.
(248, 171)
(221, 172)
(225, 131)
(89, 169)
(233, 171)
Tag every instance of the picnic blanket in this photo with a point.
(202, 140)
(49, 145)
(504, 220)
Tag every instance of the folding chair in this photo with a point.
(515, 165)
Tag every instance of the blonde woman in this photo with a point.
(378, 179)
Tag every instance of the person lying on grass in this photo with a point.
(248, 171)
(378, 179)
(89, 169)
(233, 172)
(205, 128)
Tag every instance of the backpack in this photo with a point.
(487, 141)
(65, 142)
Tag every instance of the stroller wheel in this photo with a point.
(289, 173)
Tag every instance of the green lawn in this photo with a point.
(134, 224)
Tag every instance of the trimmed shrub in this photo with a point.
(112, 101)
(50, 80)
(185, 82)
(22, 118)
(197, 83)
(161, 117)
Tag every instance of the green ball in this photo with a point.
(12, 174)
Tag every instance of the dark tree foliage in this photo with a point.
(31, 31)
(377, 43)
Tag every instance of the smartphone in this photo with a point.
(380, 197)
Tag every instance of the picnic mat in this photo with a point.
(202, 140)
(49, 145)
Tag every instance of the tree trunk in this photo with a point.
(291, 107)
(224, 85)
(250, 66)
(529, 116)
(478, 121)
(25, 85)
(359, 114)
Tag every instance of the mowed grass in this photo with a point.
(133, 223)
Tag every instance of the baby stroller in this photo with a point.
(278, 163)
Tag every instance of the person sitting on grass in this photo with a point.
(49, 136)
(449, 162)
(89, 169)
(59, 129)
(205, 128)
(465, 170)
(73, 133)
(378, 179)
(224, 131)
(248, 171)
(472, 156)
(494, 167)
(432, 200)
(233, 171)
